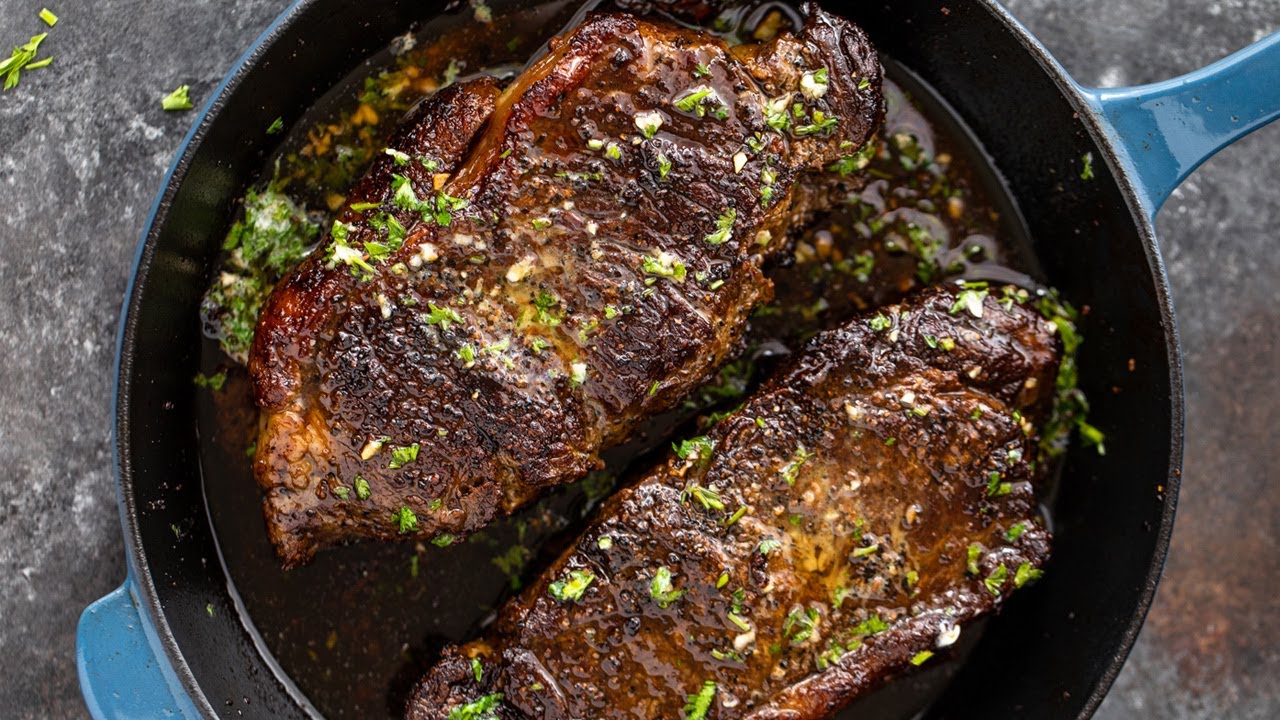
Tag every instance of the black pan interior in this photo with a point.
(1052, 653)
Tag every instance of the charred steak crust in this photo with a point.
(868, 502)
(530, 274)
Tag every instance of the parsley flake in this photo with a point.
(662, 590)
(402, 456)
(699, 704)
(664, 265)
(1026, 574)
(996, 579)
(22, 59)
(572, 586)
(724, 228)
(481, 709)
(442, 316)
(405, 520)
(179, 99)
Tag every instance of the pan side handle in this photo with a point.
(1166, 130)
(123, 672)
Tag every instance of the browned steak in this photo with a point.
(527, 275)
(869, 501)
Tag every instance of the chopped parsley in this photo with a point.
(1026, 574)
(768, 545)
(664, 167)
(481, 709)
(801, 624)
(792, 469)
(871, 626)
(880, 322)
(664, 265)
(214, 382)
(273, 237)
(438, 208)
(699, 448)
(276, 126)
(1086, 169)
(400, 158)
(342, 491)
(996, 579)
(850, 164)
(1015, 532)
(23, 58)
(402, 456)
(405, 520)
(362, 488)
(724, 228)
(442, 316)
(821, 125)
(477, 670)
(179, 99)
(865, 551)
(707, 497)
(698, 100)
(444, 540)
(342, 252)
(996, 488)
(767, 178)
(974, 553)
(775, 113)
(467, 354)
(699, 704)
(542, 304)
(701, 70)
(662, 590)
(572, 586)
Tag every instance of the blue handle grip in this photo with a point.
(1168, 129)
(123, 672)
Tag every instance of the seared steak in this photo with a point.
(527, 275)
(869, 501)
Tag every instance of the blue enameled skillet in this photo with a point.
(174, 641)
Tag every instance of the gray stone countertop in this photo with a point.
(84, 147)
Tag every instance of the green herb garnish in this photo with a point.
(699, 704)
(405, 520)
(724, 228)
(662, 590)
(572, 586)
(402, 456)
(179, 99)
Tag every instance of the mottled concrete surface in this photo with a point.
(84, 145)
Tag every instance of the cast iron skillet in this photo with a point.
(173, 641)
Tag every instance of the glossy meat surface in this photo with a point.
(530, 273)
(869, 501)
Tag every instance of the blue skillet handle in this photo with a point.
(123, 672)
(1168, 129)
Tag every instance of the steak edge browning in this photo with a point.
(872, 499)
(532, 272)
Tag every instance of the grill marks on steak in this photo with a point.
(613, 208)
(813, 546)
